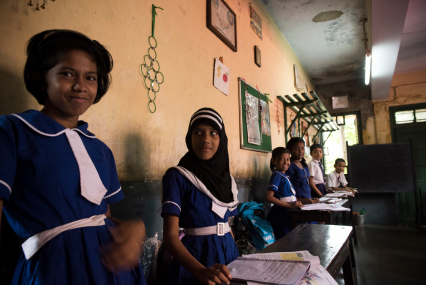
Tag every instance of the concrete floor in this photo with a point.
(389, 255)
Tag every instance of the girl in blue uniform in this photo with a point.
(281, 193)
(298, 171)
(57, 179)
(200, 195)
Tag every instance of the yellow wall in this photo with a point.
(407, 89)
(146, 144)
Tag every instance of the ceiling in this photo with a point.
(327, 37)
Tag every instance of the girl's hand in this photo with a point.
(123, 253)
(215, 274)
(315, 200)
(296, 204)
(306, 201)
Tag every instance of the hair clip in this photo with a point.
(37, 8)
(30, 3)
(43, 6)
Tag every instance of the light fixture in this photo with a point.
(367, 54)
(367, 67)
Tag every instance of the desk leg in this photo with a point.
(347, 271)
(352, 222)
(351, 251)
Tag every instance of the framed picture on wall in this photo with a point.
(222, 21)
(257, 56)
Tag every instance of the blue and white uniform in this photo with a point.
(279, 217)
(300, 180)
(197, 208)
(40, 184)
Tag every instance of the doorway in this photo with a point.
(335, 143)
(410, 122)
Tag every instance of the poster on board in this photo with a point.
(265, 123)
(252, 119)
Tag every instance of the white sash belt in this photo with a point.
(288, 199)
(34, 243)
(220, 229)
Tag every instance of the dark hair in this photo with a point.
(275, 154)
(292, 142)
(314, 146)
(46, 49)
(339, 160)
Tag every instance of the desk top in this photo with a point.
(325, 241)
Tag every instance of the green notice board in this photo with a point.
(255, 125)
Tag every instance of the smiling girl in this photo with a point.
(57, 179)
(200, 195)
(281, 193)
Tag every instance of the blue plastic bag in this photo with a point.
(261, 231)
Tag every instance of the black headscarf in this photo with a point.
(214, 173)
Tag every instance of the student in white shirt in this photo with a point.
(316, 169)
(336, 180)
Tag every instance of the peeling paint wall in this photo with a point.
(359, 98)
(406, 89)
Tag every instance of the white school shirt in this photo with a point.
(315, 171)
(333, 181)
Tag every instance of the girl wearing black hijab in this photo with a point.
(200, 195)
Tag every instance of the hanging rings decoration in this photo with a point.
(150, 68)
(38, 7)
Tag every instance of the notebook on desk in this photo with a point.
(283, 272)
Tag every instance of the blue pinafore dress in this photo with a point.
(300, 180)
(279, 217)
(40, 184)
(194, 208)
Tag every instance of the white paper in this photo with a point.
(221, 76)
(297, 255)
(269, 271)
(317, 274)
(252, 119)
(326, 207)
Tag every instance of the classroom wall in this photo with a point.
(406, 89)
(145, 144)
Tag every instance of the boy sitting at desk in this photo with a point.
(336, 180)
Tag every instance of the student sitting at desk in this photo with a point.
(336, 180)
(281, 193)
(316, 180)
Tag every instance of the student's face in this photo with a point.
(282, 163)
(205, 141)
(340, 167)
(71, 85)
(317, 154)
(298, 151)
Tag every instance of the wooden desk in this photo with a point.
(329, 242)
(327, 217)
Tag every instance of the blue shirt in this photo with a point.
(300, 180)
(281, 185)
(194, 208)
(40, 183)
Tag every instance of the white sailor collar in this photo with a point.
(200, 186)
(44, 125)
(288, 179)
